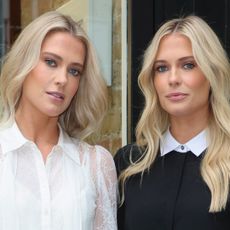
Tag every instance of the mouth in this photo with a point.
(178, 96)
(57, 95)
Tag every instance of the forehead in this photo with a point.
(65, 45)
(174, 44)
(175, 38)
(60, 40)
(61, 35)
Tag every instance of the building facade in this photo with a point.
(127, 27)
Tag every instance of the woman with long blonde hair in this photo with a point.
(176, 175)
(53, 96)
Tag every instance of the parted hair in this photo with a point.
(86, 111)
(214, 63)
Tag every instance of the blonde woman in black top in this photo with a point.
(177, 174)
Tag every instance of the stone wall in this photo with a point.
(33, 8)
(110, 134)
(111, 131)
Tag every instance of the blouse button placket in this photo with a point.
(44, 191)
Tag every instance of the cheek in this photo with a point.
(157, 84)
(73, 87)
(31, 82)
(202, 87)
(196, 81)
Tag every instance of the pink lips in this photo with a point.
(56, 95)
(177, 96)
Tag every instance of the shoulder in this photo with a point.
(96, 153)
(126, 155)
(102, 165)
(103, 154)
(130, 152)
(101, 150)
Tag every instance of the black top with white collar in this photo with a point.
(172, 196)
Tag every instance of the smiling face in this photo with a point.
(182, 88)
(51, 85)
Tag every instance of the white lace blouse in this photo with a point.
(74, 190)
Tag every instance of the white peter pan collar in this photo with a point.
(196, 145)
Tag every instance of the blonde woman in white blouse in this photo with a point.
(52, 97)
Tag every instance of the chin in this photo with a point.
(53, 114)
(179, 114)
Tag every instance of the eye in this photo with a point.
(74, 72)
(161, 68)
(188, 66)
(50, 62)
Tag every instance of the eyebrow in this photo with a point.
(180, 59)
(61, 59)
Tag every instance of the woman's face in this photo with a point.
(51, 85)
(182, 88)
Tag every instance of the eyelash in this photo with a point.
(164, 68)
(50, 62)
(161, 68)
(188, 65)
(76, 72)
(73, 71)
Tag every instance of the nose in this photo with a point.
(174, 78)
(61, 77)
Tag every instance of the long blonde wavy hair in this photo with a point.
(88, 106)
(213, 61)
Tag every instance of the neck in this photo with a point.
(42, 131)
(185, 129)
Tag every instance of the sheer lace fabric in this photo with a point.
(74, 189)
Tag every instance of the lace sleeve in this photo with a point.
(106, 183)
